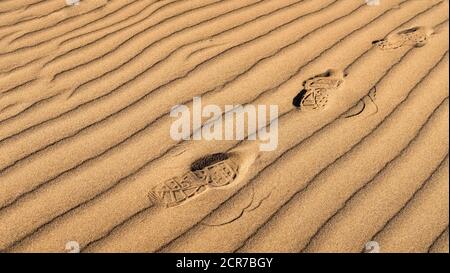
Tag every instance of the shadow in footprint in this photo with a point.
(208, 160)
(298, 99)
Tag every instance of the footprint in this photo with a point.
(212, 171)
(366, 106)
(416, 36)
(311, 99)
(218, 174)
(177, 190)
(208, 160)
(316, 90)
(329, 80)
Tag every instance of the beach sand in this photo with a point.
(86, 93)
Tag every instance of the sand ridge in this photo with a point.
(362, 95)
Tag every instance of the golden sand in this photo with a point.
(85, 96)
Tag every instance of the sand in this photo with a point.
(85, 98)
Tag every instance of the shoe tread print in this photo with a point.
(177, 190)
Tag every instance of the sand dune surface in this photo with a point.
(88, 161)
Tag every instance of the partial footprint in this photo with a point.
(365, 108)
(329, 80)
(316, 90)
(209, 160)
(416, 36)
(212, 171)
